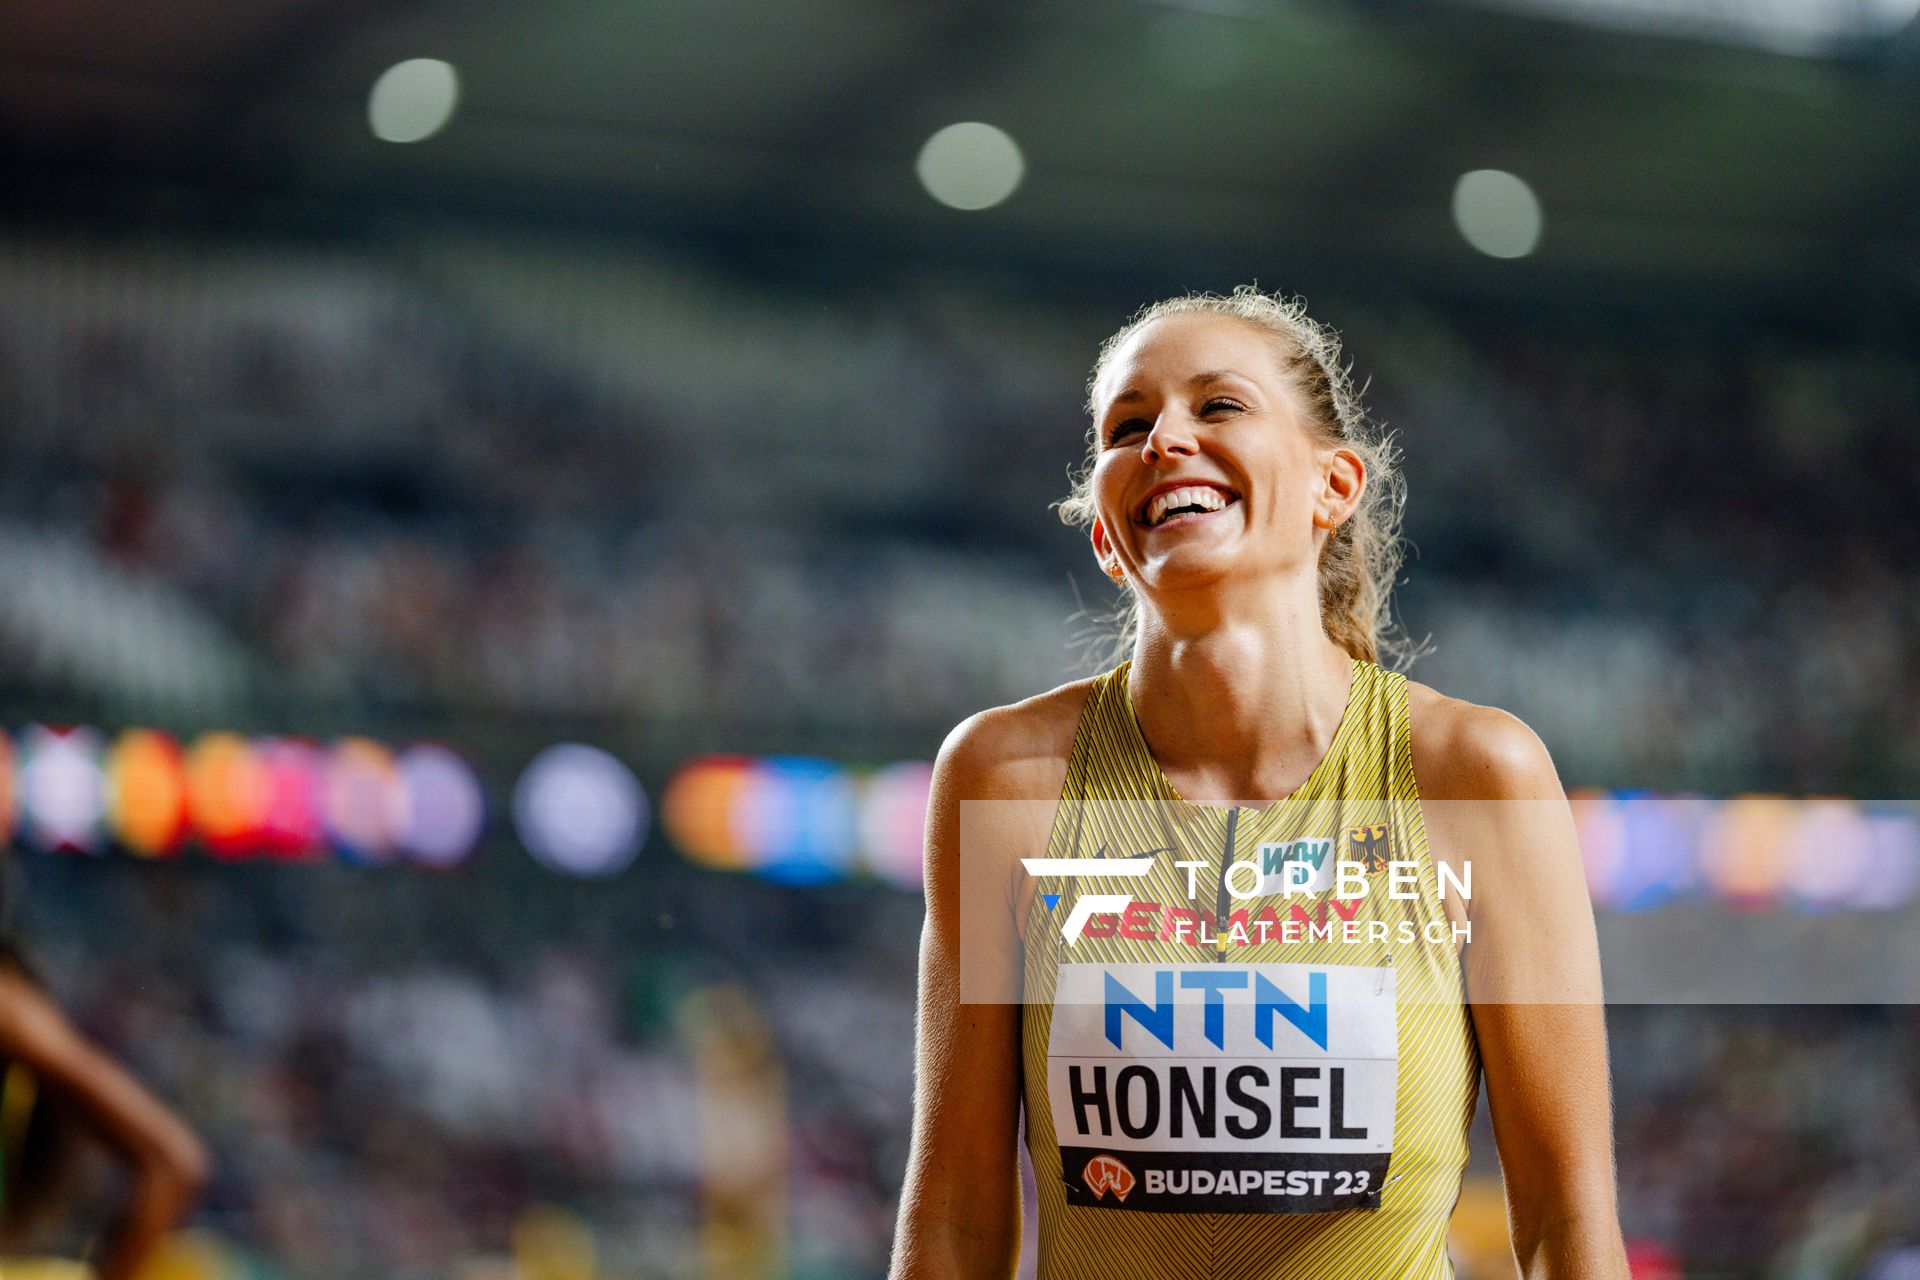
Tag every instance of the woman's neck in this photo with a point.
(1240, 709)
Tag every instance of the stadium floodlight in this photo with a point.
(1497, 213)
(970, 166)
(413, 100)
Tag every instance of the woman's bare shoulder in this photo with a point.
(1464, 751)
(1018, 751)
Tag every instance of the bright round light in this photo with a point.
(62, 787)
(1744, 850)
(1497, 213)
(1603, 851)
(700, 809)
(1895, 878)
(226, 794)
(413, 100)
(446, 807)
(364, 805)
(1829, 855)
(579, 811)
(293, 778)
(1660, 835)
(893, 821)
(797, 820)
(970, 166)
(147, 792)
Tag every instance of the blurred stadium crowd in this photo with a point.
(394, 1088)
(396, 1078)
(1686, 557)
(293, 487)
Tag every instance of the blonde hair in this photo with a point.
(1361, 558)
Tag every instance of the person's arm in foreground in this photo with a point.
(960, 1206)
(1533, 980)
(168, 1163)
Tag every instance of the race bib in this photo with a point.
(1221, 1088)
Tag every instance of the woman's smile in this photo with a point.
(1177, 503)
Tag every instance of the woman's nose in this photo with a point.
(1172, 436)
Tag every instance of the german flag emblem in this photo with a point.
(1371, 845)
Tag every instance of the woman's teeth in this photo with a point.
(1185, 500)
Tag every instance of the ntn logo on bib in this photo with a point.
(1214, 1011)
(1225, 1088)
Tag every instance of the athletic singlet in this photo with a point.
(19, 1091)
(1212, 1091)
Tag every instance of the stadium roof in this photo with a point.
(1206, 132)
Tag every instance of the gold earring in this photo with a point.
(1115, 572)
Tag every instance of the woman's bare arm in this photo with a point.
(960, 1206)
(1533, 978)
(168, 1163)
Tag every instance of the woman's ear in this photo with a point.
(1341, 485)
(1103, 549)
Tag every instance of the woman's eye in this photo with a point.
(1217, 404)
(1131, 427)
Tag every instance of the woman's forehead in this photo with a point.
(1177, 348)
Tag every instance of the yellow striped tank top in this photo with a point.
(1258, 1064)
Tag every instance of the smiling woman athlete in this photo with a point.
(1215, 1082)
